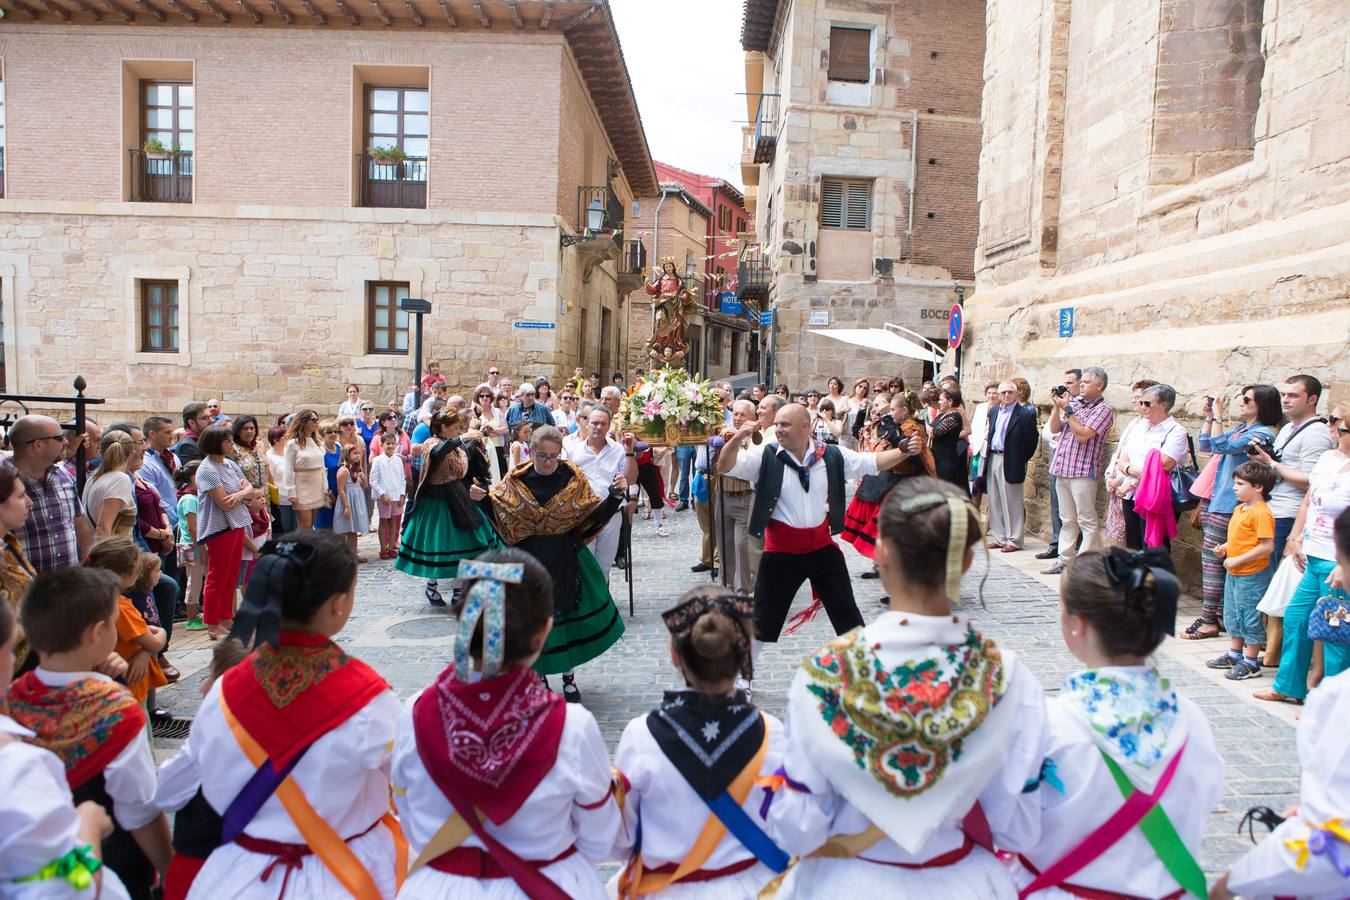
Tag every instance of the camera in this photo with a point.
(1265, 444)
(1059, 390)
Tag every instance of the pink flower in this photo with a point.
(653, 409)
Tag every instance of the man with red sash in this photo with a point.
(798, 514)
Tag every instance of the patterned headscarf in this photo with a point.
(486, 601)
(680, 620)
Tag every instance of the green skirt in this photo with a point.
(582, 635)
(432, 546)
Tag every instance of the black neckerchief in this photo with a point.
(803, 471)
(709, 740)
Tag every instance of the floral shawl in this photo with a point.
(519, 515)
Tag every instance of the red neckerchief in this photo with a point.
(288, 697)
(88, 723)
(492, 742)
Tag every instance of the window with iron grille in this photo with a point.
(851, 55)
(846, 203)
(386, 323)
(159, 316)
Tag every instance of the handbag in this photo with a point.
(1204, 485)
(1183, 476)
(1281, 588)
(1330, 619)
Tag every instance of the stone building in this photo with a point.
(230, 199)
(1165, 192)
(860, 168)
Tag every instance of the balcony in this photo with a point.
(2, 173)
(392, 184)
(753, 275)
(632, 267)
(609, 201)
(161, 177)
(766, 129)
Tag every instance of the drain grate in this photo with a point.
(172, 728)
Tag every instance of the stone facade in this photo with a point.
(1174, 175)
(273, 255)
(910, 133)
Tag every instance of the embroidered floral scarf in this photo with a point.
(1130, 714)
(708, 739)
(489, 742)
(905, 725)
(16, 572)
(287, 697)
(520, 515)
(87, 723)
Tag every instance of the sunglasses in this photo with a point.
(568, 397)
(1145, 403)
(1330, 421)
(1246, 400)
(62, 436)
(493, 372)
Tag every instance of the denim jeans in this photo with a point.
(1282, 529)
(684, 458)
(1296, 653)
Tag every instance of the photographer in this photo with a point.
(1259, 406)
(1081, 425)
(1298, 446)
(1068, 391)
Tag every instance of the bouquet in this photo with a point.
(669, 407)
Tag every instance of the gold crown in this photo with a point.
(667, 259)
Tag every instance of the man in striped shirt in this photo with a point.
(1085, 421)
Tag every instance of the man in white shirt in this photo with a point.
(798, 506)
(1299, 445)
(600, 459)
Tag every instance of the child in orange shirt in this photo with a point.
(1246, 556)
(137, 642)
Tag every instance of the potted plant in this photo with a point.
(155, 149)
(670, 408)
(388, 155)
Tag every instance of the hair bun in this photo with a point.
(712, 636)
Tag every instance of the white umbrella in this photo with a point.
(882, 339)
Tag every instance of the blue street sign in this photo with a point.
(534, 325)
(956, 322)
(766, 318)
(730, 305)
(1066, 322)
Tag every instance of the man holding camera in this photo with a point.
(1081, 425)
(1296, 450)
(1070, 388)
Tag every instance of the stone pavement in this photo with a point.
(394, 630)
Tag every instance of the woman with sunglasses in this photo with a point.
(1159, 431)
(1259, 406)
(855, 414)
(304, 459)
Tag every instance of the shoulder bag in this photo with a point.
(1183, 475)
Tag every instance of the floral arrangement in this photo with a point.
(671, 407)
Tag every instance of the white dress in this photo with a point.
(549, 822)
(673, 815)
(40, 823)
(1091, 796)
(344, 776)
(1270, 868)
(996, 761)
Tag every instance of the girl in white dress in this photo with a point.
(43, 830)
(910, 740)
(1308, 854)
(1118, 727)
(504, 790)
(703, 749)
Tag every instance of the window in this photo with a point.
(159, 316)
(398, 117)
(846, 203)
(740, 226)
(168, 123)
(693, 220)
(724, 218)
(851, 55)
(714, 346)
(581, 340)
(386, 324)
(690, 267)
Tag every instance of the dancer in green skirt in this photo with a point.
(446, 525)
(547, 508)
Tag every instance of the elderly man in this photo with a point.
(600, 459)
(1080, 424)
(798, 513)
(527, 410)
(1012, 442)
(740, 559)
(57, 533)
(213, 410)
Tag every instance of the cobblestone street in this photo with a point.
(394, 630)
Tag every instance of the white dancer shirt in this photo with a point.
(796, 507)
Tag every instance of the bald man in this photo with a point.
(57, 533)
(798, 507)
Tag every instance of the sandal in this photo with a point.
(571, 693)
(1192, 632)
(434, 595)
(1272, 696)
(171, 674)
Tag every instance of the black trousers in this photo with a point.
(1134, 527)
(781, 576)
(165, 593)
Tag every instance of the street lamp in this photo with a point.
(595, 220)
(418, 307)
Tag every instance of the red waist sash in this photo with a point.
(950, 858)
(291, 856)
(1093, 893)
(780, 538)
(705, 874)
(475, 862)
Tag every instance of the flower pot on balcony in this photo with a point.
(159, 154)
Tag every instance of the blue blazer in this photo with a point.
(1019, 441)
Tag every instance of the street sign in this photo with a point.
(818, 317)
(956, 326)
(1066, 322)
(766, 318)
(534, 324)
(730, 305)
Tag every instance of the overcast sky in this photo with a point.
(686, 63)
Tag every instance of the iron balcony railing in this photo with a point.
(161, 177)
(634, 258)
(392, 184)
(753, 275)
(604, 193)
(766, 128)
(2, 173)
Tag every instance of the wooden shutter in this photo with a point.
(850, 54)
(846, 203)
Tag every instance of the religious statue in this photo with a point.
(671, 305)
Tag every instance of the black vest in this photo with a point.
(770, 484)
(121, 853)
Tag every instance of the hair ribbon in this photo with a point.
(1127, 569)
(957, 531)
(486, 602)
(259, 617)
